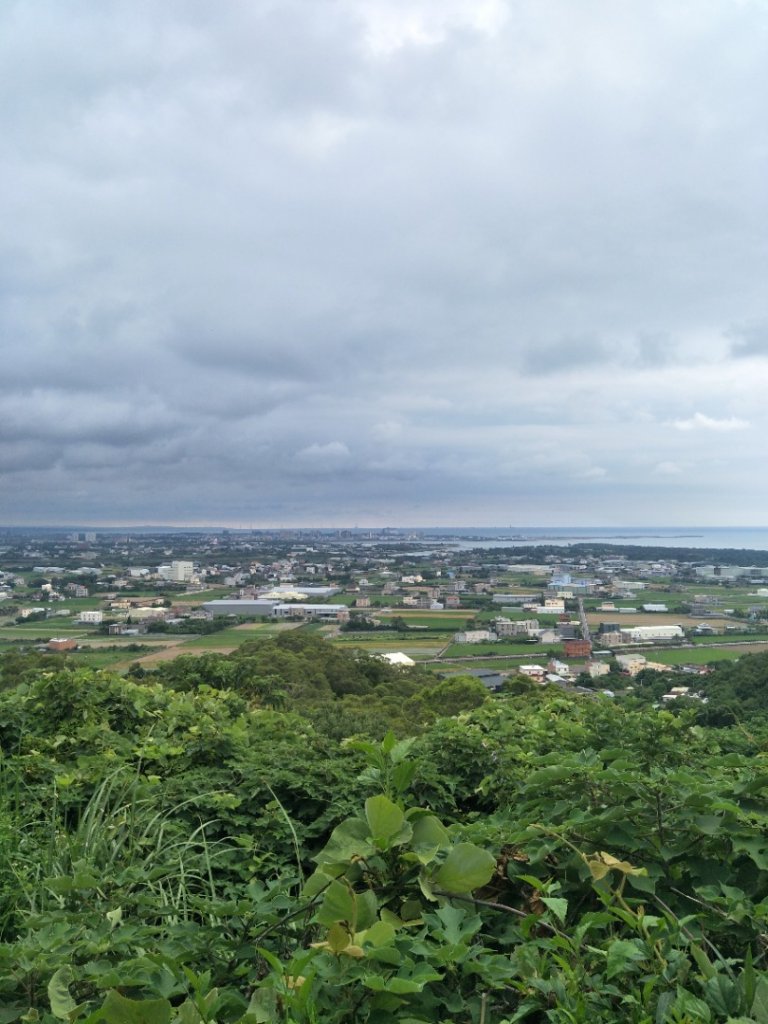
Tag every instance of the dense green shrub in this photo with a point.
(194, 846)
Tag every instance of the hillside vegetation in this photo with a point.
(293, 834)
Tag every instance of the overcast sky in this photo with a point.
(384, 262)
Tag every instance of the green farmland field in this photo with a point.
(95, 657)
(533, 651)
(225, 638)
(703, 655)
(433, 620)
(731, 638)
(417, 649)
(43, 631)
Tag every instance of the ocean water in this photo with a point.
(754, 538)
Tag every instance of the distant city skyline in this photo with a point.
(681, 532)
(384, 261)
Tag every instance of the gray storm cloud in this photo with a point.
(381, 261)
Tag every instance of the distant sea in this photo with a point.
(754, 538)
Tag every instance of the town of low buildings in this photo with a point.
(128, 585)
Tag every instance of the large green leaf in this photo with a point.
(708, 824)
(546, 776)
(467, 867)
(62, 1003)
(405, 982)
(557, 905)
(118, 1009)
(386, 822)
(702, 961)
(723, 994)
(382, 933)
(339, 904)
(401, 750)
(760, 1002)
(644, 883)
(429, 836)
(622, 953)
(756, 849)
(456, 924)
(402, 775)
(319, 881)
(687, 1003)
(262, 1008)
(367, 909)
(72, 883)
(352, 838)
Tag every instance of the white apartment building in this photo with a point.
(551, 606)
(632, 663)
(474, 636)
(92, 618)
(598, 668)
(514, 627)
(177, 572)
(182, 572)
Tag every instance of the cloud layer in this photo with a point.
(379, 261)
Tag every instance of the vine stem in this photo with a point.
(296, 913)
(495, 906)
(688, 935)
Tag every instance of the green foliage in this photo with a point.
(344, 692)
(185, 849)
